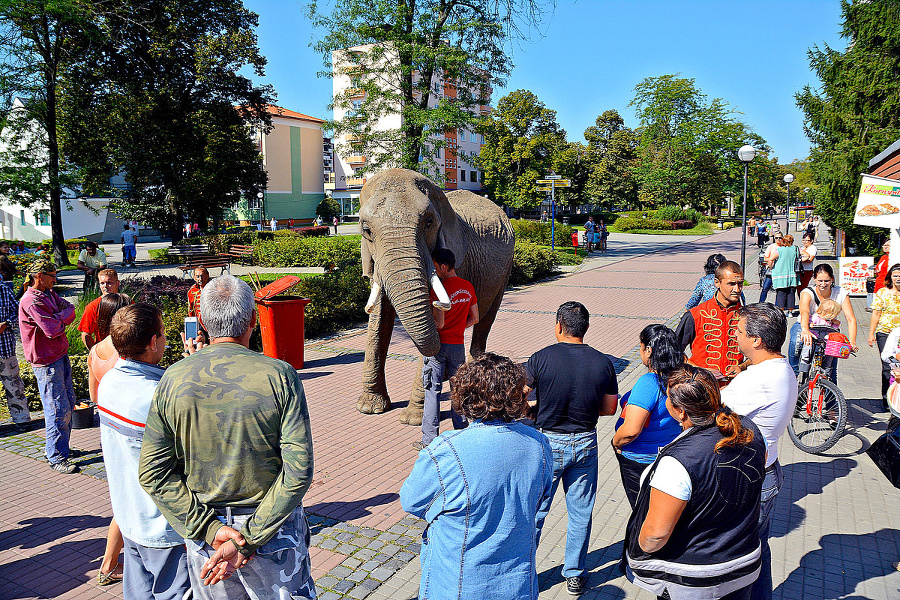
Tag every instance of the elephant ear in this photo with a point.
(450, 235)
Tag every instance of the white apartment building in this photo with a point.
(453, 160)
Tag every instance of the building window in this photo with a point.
(437, 153)
(474, 176)
(462, 135)
(42, 218)
(22, 217)
(482, 177)
(462, 174)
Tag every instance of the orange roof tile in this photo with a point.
(277, 111)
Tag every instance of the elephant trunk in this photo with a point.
(404, 282)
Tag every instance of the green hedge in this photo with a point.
(532, 262)
(676, 213)
(632, 223)
(539, 233)
(295, 251)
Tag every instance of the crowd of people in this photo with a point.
(208, 461)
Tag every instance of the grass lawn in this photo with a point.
(571, 256)
(699, 229)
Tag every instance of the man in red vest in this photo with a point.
(709, 328)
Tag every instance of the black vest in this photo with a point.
(719, 525)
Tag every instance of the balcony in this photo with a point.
(329, 177)
(355, 93)
(356, 160)
(352, 137)
(355, 182)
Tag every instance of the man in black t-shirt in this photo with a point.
(574, 385)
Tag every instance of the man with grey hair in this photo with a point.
(227, 458)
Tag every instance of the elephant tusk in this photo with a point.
(373, 297)
(443, 301)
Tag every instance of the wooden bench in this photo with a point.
(198, 255)
(242, 253)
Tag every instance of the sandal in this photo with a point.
(109, 578)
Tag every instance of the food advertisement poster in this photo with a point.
(878, 204)
(853, 272)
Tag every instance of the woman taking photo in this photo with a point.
(823, 288)
(784, 277)
(645, 424)
(885, 317)
(480, 489)
(694, 532)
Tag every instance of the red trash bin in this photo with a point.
(574, 239)
(281, 321)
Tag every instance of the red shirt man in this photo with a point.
(109, 284)
(201, 277)
(452, 322)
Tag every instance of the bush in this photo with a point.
(314, 231)
(296, 251)
(532, 262)
(683, 224)
(539, 233)
(338, 299)
(631, 223)
(328, 209)
(676, 213)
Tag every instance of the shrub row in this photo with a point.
(540, 233)
(532, 262)
(294, 251)
(676, 213)
(632, 223)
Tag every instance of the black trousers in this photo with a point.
(785, 298)
(881, 340)
(631, 471)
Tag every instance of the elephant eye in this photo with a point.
(429, 222)
(367, 231)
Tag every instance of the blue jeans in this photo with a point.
(762, 587)
(58, 399)
(795, 348)
(575, 463)
(764, 290)
(435, 370)
(129, 253)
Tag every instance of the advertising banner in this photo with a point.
(878, 204)
(853, 272)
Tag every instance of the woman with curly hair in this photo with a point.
(480, 489)
(694, 532)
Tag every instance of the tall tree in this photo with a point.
(686, 153)
(611, 154)
(165, 102)
(521, 138)
(41, 41)
(409, 46)
(854, 112)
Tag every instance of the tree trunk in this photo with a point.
(58, 239)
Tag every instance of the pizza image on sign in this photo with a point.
(878, 204)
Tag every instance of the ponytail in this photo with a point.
(730, 426)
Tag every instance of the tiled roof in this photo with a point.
(277, 111)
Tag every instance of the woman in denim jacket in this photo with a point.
(480, 489)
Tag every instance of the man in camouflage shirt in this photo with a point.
(227, 457)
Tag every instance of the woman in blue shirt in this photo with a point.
(645, 424)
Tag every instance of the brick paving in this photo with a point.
(833, 535)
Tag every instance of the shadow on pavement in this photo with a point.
(347, 511)
(802, 479)
(35, 577)
(832, 568)
(32, 533)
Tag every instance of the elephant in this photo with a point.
(403, 218)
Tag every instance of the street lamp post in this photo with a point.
(746, 154)
(259, 198)
(805, 203)
(787, 210)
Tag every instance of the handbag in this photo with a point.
(885, 453)
(798, 264)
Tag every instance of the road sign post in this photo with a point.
(549, 185)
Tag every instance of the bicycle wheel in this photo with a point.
(818, 424)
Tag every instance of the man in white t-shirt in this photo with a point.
(766, 392)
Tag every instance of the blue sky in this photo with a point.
(592, 53)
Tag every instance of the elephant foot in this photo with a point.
(411, 415)
(373, 403)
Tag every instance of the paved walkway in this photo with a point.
(833, 535)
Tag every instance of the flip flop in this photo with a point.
(109, 578)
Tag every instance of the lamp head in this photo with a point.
(259, 195)
(746, 153)
(788, 178)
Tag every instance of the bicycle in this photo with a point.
(820, 415)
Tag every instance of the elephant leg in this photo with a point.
(374, 397)
(412, 414)
(483, 327)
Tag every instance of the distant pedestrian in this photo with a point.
(43, 317)
(645, 424)
(91, 260)
(762, 234)
(574, 385)
(766, 393)
(291, 222)
(195, 229)
(334, 221)
(784, 275)
(228, 460)
(589, 234)
(480, 489)
(603, 230)
(769, 258)
(273, 224)
(129, 246)
(807, 257)
(693, 533)
(155, 564)
(751, 227)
